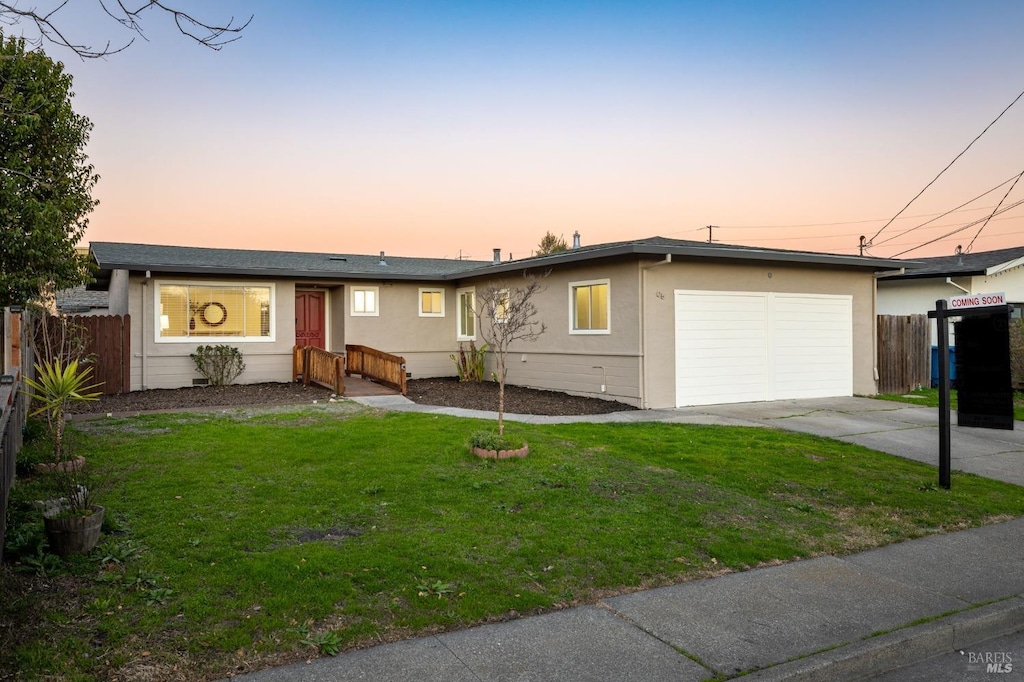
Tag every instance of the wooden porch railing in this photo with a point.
(319, 367)
(371, 363)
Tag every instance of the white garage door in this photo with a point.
(736, 347)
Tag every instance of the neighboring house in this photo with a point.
(928, 280)
(654, 323)
(80, 301)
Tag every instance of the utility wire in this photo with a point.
(870, 241)
(968, 249)
(943, 215)
(960, 229)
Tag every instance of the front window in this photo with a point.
(365, 301)
(431, 302)
(589, 307)
(214, 311)
(467, 314)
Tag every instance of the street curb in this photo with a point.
(896, 649)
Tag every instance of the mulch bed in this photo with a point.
(447, 392)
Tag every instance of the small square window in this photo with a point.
(365, 301)
(431, 302)
(589, 307)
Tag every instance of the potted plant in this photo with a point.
(72, 521)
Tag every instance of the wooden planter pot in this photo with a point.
(74, 534)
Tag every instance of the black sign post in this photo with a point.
(941, 314)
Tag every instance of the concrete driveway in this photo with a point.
(896, 428)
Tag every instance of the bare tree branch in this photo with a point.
(508, 314)
(213, 35)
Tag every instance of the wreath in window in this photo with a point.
(213, 314)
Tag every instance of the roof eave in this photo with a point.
(726, 253)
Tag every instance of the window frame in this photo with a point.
(430, 290)
(501, 305)
(459, 293)
(352, 300)
(573, 286)
(159, 283)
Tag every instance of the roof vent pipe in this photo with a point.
(382, 261)
(576, 239)
(497, 256)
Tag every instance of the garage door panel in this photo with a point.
(720, 355)
(752, 346)
(812, 337)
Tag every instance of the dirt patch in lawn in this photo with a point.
(443, 392)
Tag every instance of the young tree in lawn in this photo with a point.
(507, 315)
(46, 180)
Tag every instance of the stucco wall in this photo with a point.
(162, 364)
(424, 342)
(579, 363)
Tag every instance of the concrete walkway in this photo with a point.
(827, 618)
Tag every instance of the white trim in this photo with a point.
(572, 307)
(376, 301)
(458, 313)
(430, 290)
(203, 340)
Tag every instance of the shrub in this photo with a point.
(221, 365)
(489, 440)
(470, 363)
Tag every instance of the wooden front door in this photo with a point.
(309, 319)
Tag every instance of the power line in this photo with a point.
(943, 215)
(870, 241)
(960, 229)
(968, 249)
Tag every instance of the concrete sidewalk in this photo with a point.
(809, 620)
(827, 618)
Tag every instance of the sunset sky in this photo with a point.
(450, 128)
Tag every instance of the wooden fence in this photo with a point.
(904, 353)
(319, 367)
(382, 367)
(13, 407)
(109, 346)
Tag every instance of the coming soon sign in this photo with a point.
(977, 301)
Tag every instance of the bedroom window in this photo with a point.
(431, 302)
(589, 307)
(214, 311)
(365, 301)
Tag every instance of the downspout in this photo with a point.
(644, 402)
(142, 327)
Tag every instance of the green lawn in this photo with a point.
(266, 538)
(929, 397)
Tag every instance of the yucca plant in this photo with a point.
(57, 385)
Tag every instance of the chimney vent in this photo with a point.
(497, 256)
(382, 261)
(576, 239)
